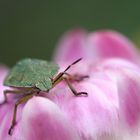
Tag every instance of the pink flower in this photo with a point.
(111, 110)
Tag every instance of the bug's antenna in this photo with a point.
(60, 78)
(64, 72)
(72, 64)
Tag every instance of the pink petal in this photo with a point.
(71, 47)
(126, 75)
(107, 44)
(42, 119)
(3, 73)
(129, 97)
(93, 115)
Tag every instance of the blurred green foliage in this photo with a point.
(31, 28)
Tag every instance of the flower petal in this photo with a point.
(93, 115)
(109, 44)
(71, 47)
(42, 119)
(3, 73)
(129, 97)
(126, 75)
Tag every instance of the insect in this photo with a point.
(31, 76)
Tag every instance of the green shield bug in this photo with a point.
(31, 76)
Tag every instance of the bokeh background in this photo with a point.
(31, 28)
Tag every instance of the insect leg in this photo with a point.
(9, 92)
(76, 77)
(22, 100)
(73, 89)
(60, 78)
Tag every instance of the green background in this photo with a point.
(31, 28)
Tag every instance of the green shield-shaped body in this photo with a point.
(32, 73)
